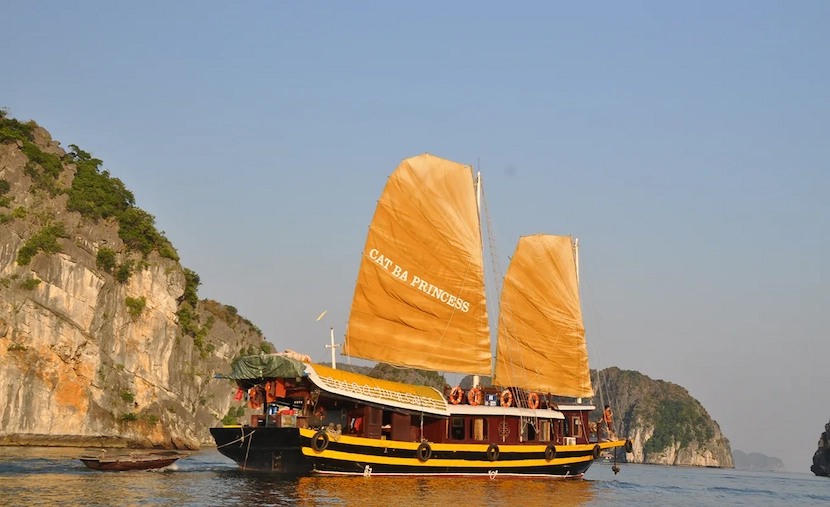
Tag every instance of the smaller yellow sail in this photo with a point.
(541, 337)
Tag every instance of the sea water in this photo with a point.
(37, 476)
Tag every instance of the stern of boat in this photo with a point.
(263, 449)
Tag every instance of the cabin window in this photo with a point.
(577, 426)
(529, 432)
(544, 430)
(566, 427)
(478, 429)
(457, 428)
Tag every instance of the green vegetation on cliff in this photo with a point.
(677, 420)
(12, 129)
(94, 193)
(97, 195)
(135, 305)
(45, 240)
(230, 315)
(44, 168)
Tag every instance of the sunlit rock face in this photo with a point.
(77, 367)
(712, 452)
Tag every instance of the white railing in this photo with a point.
(383, 394)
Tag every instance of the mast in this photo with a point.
(332, 347)
(476, 379)
(576, 265)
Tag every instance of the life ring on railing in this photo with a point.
(533, 400)
(456, 395)
(474, 396)
(320, 441)
(506, 398)
(424, 452)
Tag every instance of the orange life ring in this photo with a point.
(533, 400)
(456, 395)
(474, 396)
(506, 398)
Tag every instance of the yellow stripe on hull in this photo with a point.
(435, 462)
(436, 447)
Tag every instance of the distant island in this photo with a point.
(757, 462)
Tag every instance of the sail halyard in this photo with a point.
(420, 293)
(541, 338)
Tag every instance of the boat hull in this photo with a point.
(364, 456)
(263, 449)
(130, 463)
(292, 452)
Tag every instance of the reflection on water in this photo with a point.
(54, 476)
(417, 492)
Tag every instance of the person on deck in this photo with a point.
(608, 418)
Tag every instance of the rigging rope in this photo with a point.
(521, 396)
(602, 381)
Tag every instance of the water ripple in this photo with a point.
(51, 477)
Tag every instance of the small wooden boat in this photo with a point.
(133, 461)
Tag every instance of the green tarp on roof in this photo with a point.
(265, 366)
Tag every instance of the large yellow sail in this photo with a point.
(419, 300)
(541, 338)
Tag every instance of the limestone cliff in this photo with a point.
(666, 425)
(93, 347)
(821, 459)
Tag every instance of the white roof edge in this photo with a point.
(512, 411)
(576, 407)
(409, 402)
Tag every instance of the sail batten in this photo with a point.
(419, 299)
(541, 337)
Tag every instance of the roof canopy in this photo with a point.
(265, 366)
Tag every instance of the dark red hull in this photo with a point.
(130, 462)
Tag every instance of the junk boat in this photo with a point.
(419, 302)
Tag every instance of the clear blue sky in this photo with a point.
(684, 143)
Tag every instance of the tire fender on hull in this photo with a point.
(320, 441)
(493, 452)
(550, 452)
(424, 452)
